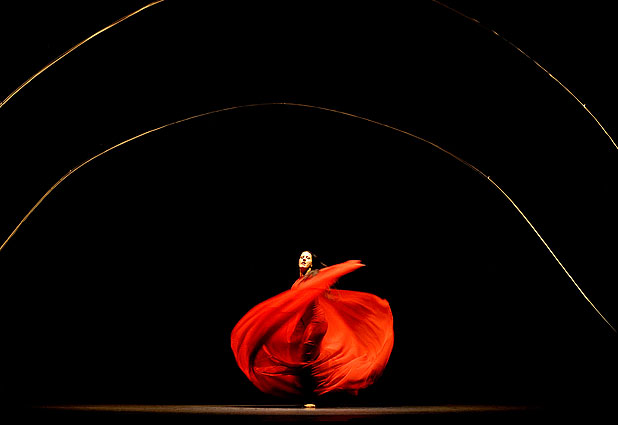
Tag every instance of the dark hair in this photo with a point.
(315, 260)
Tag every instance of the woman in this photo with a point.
(314, 339)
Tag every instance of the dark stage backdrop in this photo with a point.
(124, 285)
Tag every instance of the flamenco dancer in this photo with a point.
(311, 339)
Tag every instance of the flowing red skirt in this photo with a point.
(341, 339)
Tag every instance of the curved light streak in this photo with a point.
(541, 67)
(381, 124)
(46, 67)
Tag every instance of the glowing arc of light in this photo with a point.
(541, 67)
(452, 155)
(46, 67)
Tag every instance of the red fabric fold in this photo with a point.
(341, 339)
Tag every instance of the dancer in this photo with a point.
(312, 339)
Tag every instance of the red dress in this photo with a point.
(341, 339)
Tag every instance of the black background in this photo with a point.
(124, 285)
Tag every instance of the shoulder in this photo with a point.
(311, 273)
(307, 276)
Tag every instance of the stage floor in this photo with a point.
(150, 413)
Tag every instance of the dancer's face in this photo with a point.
(305, 261)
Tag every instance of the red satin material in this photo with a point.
(341, 339)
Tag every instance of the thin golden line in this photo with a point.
(63, 178)
(46, 67)
(552, 253)
(542, 68)
(467, 164)
(492, 182)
